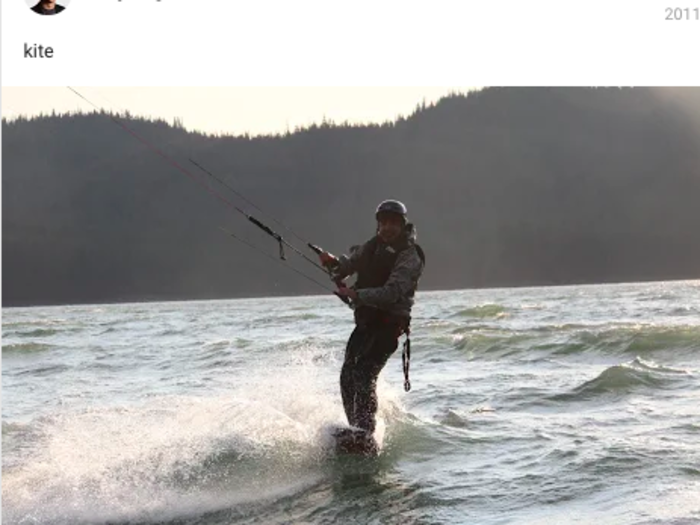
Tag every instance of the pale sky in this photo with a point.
(231, 110)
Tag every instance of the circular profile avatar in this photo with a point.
(47, 7)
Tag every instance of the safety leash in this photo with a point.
(406, 359)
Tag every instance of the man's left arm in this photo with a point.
(403, 279)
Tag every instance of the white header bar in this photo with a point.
(378, 42)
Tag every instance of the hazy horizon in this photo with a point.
(233, 110)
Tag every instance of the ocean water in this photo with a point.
(554, 405)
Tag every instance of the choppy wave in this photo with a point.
(285, 319)
(214, 346)
(43, 370)
(24, 348)
(482, 311)
(630, 377)
(642, 340)
(38, 332)
(34, 323)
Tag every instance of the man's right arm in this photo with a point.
(348, 264)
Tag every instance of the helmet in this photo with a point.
(392, 206)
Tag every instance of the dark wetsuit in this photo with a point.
(366, 353)
(387, 277)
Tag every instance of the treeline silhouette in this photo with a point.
(507, 187)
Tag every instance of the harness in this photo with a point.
(374, 270)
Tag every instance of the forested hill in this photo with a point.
(507, 187)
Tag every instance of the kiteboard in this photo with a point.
(350, 440)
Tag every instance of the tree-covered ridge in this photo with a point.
(507, 186)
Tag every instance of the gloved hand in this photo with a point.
(344, 291)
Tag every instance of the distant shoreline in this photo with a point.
(330, 297)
